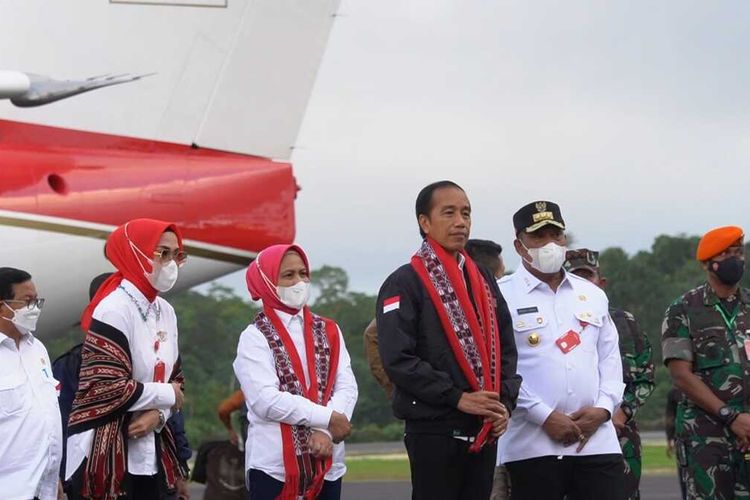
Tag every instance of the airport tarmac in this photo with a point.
(653, 487)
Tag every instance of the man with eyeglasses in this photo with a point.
(706, 346)
(30, 428)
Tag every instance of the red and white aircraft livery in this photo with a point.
(183, 110)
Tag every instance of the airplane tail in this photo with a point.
(230, 75)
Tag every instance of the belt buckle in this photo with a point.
(468, 439)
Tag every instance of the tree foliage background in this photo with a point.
(210, 325)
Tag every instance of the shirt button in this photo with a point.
(570, 391)
(413, 402)
(569, 367)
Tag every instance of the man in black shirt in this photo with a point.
(446, 343)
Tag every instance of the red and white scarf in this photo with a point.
(474, 338)
(303, 473)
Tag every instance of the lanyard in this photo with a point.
(728, 320)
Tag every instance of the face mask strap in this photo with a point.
(528, 251)
(268, 282)
(14, 312)
(134, 248)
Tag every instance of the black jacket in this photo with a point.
(418, 359)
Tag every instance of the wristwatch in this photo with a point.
(727, 415)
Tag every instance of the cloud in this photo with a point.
(632, 115)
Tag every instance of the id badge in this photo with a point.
(159, 370)
(568, 342)
(747, 349)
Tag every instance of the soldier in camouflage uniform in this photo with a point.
(637, 368)
(705, 344)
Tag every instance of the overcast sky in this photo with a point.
(634, 116)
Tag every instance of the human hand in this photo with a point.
(619, 419)
(741, 428)
(670, 448)
(143, 423)
(339, 427)
(179, 397)
(562, 429)
(588, 419)
(233, 437)
(183, 492)
(320, 444)
(500, 424)
(482, 403)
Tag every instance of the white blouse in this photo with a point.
(120, 311)
(267, 405)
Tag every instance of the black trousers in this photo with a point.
(136, 487)
(592, 477)
(265, 487)
(442, 468)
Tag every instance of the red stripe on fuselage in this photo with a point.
(226, 199)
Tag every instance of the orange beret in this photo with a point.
(717, 240)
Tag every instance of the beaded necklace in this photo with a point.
(144, 315)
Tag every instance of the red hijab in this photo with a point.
(132, 263)
(263, 275)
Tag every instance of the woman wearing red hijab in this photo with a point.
(130, 378)
(298, 383)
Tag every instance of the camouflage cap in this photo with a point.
(583, 258)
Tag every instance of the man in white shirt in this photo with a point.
(30, 428)
(560, 441)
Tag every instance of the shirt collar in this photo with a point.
(29, 338)
(529, 282)
(288, 319)
(461, 261)
(711, 299)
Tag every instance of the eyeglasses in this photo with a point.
(165, 255)
(29, 304)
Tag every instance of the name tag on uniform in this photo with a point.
(527, 310)
(568, 342)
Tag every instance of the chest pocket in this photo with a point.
(711, 349)
(14, 395)
(590, 322)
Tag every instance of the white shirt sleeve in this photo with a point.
(345, 391)
(611, 386)
(536, 409)
(254, 368)
(155, 395)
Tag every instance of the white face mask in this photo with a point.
(163, 278)
(25, 319)
(295, 296)
(547, 259)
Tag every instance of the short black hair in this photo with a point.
(424, 199)
(10, 276)
(484, 253)
(96, 283)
